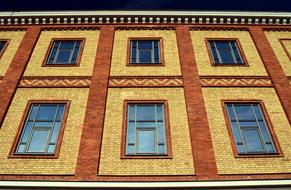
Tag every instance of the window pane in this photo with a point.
(131, 112)
(270, 148)
(145, 45)
(21, 148)
(146, 112)
(63, 57)
(53, 52)
(146, 124)
(240, 148)
(265, 133)
(55, 133)
(162, 149)
(258, 112)
(27, 131)
(131, 133)
(226, 57)
(67, 45)
(60, 112)
(222, 45)
(146, 141)
(39, 141)
(46, 112)
(33, 112)
(51, 148)
(145, 56)
(236, 132)
(248, 124)
(156, 52)
(2, 44)
(244, 112)
(160, 112)
(131, 149)
(252, 140)
(230, 112)
(75, 55)
(43, 124)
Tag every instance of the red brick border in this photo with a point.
(89, 151)
(203, 154)
(16, 69)
(273, 67)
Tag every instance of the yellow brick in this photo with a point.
(15, 38)
(255, 67)
(119, 56)
(273, 37)
(226, 162)
(35, 68)
(66, 162)
(110, 162)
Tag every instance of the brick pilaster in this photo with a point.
(203, 154)
(89, 151)
(16, 69)
(273, 67)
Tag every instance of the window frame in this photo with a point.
(13, 154)
(239, 47)
(5, 46)
(79, 57)
(160, 39)
(269, 126)
(281, 40)
(123, 154)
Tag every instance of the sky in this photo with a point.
(211, 5)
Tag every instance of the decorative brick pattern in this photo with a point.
(145, 82)
(221, 141)
(89, 151)
(239, 82)
(55, 82)
(255, 66)
(274, 68)
(35, 68)
(14, 39)
(16, 69)
(66, 162)
(204, 161)
(110, 161)
(119, 56)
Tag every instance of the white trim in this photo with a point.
(147, 13)
(204, 184)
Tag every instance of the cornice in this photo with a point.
(145, 17)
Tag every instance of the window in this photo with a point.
(3, 45)
(225, 52)
(250, 129)
(286, 44)
(41, 129)
(146, 132)
(145, 52)
(64, 52)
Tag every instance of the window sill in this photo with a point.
(230, 65)
(263, 155)
(146, 157)
(145, 64)
(61, 65)
(33, 156)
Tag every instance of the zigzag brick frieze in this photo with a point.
(236, 82)
(55, 82)
(145, 82)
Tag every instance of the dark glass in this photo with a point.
(145, 56)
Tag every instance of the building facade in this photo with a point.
(184, 100)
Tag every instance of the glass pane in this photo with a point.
(145, 56)
(60, 113)
(236, 132)
(146, 141)
(39, 141)
(131, 112)
(248, 124)
(55, 133)
(63, 57)
(240, 148)
(146, 112)
(130, 149)
(131, 133)
(252, 140)
(226, 57)
(46, 112)
(53, 53)
(2, 44)
(258, 112)
(27, 131)
(230, 112)
(75, 55)
(133, 52)
(162, 149)
(146, 124)
(21, 148)
(265, 133)
(270, 148)
(236, 52)
(160, 112)
(145, 45)
(244, 112)
(222, 45)
(43, 124)
(161, 133)
(156, 52)
(67, 45)
(51, 148)
(33, 112)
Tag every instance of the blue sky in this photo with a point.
(238, 5)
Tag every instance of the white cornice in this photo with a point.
(144, 17)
